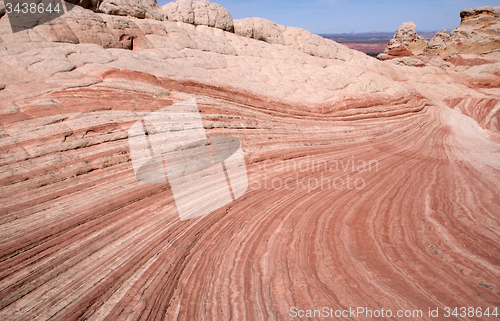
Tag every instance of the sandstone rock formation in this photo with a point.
(478, 33)
(416, 226)
(406, 42)
(201, 12)
(296, 38)
(439, 42)
(223, 54)
(260, 29)
(149, 9)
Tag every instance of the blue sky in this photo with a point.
(337, 16)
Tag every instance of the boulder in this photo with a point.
(202, 12)
(260, 29)
(180, 10)
(211, 14)
(244, 27)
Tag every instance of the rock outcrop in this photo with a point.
(201, 12)
(149, 9)
(84, 27)
(370, 183)
(260, 29)
(293, 37)
(213, 54)
(406, 42)
(439, 42)
(478, 33)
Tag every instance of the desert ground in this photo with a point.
(372, 183)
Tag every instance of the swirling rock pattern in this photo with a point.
(415, 223)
